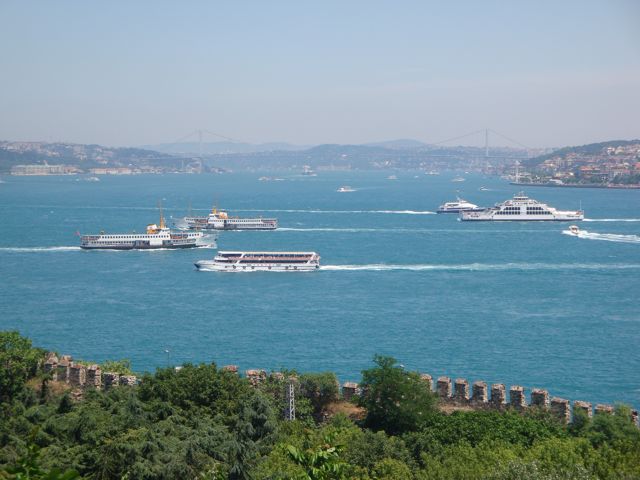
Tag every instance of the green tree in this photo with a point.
(122, 367)
(396, 400)
(390, 469)
(195, 387)
(18, 362)
(321, 389)
(28, 468)
(254, 425)
(615, 429)
(319, 463)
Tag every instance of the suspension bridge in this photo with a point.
(483, 134)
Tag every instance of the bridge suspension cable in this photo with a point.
(200, 133)
(485, 132)
(456, 138)
(508, 139)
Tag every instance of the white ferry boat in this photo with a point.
(458, 206)
(220, 220)
(155, 237)
(256, 261)
(522, 208)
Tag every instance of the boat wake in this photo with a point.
(321, 229)
(399, 230)
(607, 237)
(38, 249)
(394, 212)
(403, 212)
(611, 220)
(475, 267)
(118, 207)
(75, 249)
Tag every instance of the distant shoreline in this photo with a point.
(566, 185)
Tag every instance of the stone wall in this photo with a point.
(478, 398)
(77, 375)
(63, 369)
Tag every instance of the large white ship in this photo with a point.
(257, 261)
(155, 237)
(522, 208)
(220, 220)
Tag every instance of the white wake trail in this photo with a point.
(394, 212)
(328, 229)
(38, 249)
(607, 237)
(399, 230)
(403, 212)
(611, 220)
(474, 267)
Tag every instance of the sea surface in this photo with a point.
(516, 303)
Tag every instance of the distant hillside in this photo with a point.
(616, 162)
(401, 154)
(592, 149)
(193, 148)
(82, 156)
(367, 157)
(400, 144)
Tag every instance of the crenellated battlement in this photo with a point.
(79, 375)
(457, 394)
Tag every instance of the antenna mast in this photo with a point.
(290, 412)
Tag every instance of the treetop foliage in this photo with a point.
(396, 400)
(205, 423)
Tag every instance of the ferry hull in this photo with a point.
(233, 227)
(521, 219)
(139, 247)
(522, 209)
(466, 217)
(460, 210)
(216, 223)
(209, 265)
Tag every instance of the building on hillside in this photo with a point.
(44, 170)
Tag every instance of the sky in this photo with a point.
(123, 73)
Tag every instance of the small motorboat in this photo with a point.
(574, 230)
(345, 189)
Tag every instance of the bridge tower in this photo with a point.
(486, 143)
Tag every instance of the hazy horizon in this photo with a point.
(123, 74)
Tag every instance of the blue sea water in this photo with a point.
(519, 303)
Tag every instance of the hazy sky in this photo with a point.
(546, 73)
